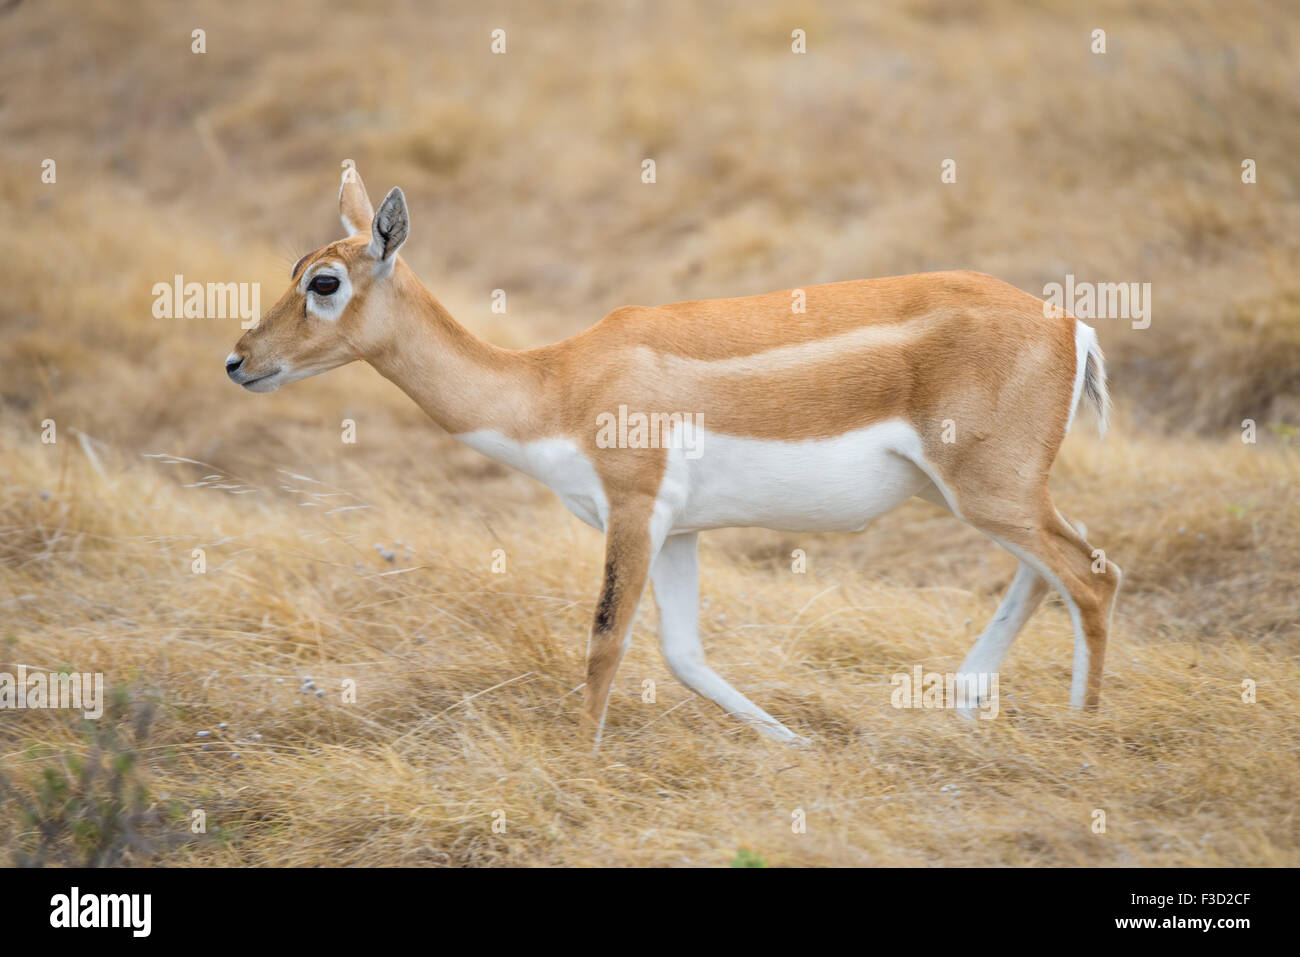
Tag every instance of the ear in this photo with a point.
(389, 229)
(354, 205)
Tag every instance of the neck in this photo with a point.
(461, 382)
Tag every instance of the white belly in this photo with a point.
(836, 484)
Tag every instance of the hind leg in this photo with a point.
(1061, 555)
(1022, 598)
(1029, 526)
(1092, 612)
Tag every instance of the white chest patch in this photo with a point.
(836, 484)
(557, 463)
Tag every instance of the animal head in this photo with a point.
(340, 299)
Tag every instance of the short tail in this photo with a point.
(1090, 382)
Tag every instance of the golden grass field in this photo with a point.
(522, 171)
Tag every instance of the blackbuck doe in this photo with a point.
(951, 386)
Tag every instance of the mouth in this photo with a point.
(262, 383)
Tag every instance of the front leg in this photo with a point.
(629, 549)
(676, 577)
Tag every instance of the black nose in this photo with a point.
(233, 362)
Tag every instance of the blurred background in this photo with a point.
(523, 173)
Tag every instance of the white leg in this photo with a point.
(1018, 604)
(676, 576)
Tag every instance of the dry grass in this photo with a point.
(522, 173)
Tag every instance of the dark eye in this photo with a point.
(324, 285)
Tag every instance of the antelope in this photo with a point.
(953, 387)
